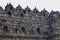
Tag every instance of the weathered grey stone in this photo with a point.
(25, 24)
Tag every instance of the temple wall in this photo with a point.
(15, 22)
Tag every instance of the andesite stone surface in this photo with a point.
(25, 24)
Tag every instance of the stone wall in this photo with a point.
(37, 25)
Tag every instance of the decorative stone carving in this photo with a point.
(26, 23)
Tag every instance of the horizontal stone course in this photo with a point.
(26, 24)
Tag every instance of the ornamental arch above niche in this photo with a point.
(9, 7)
